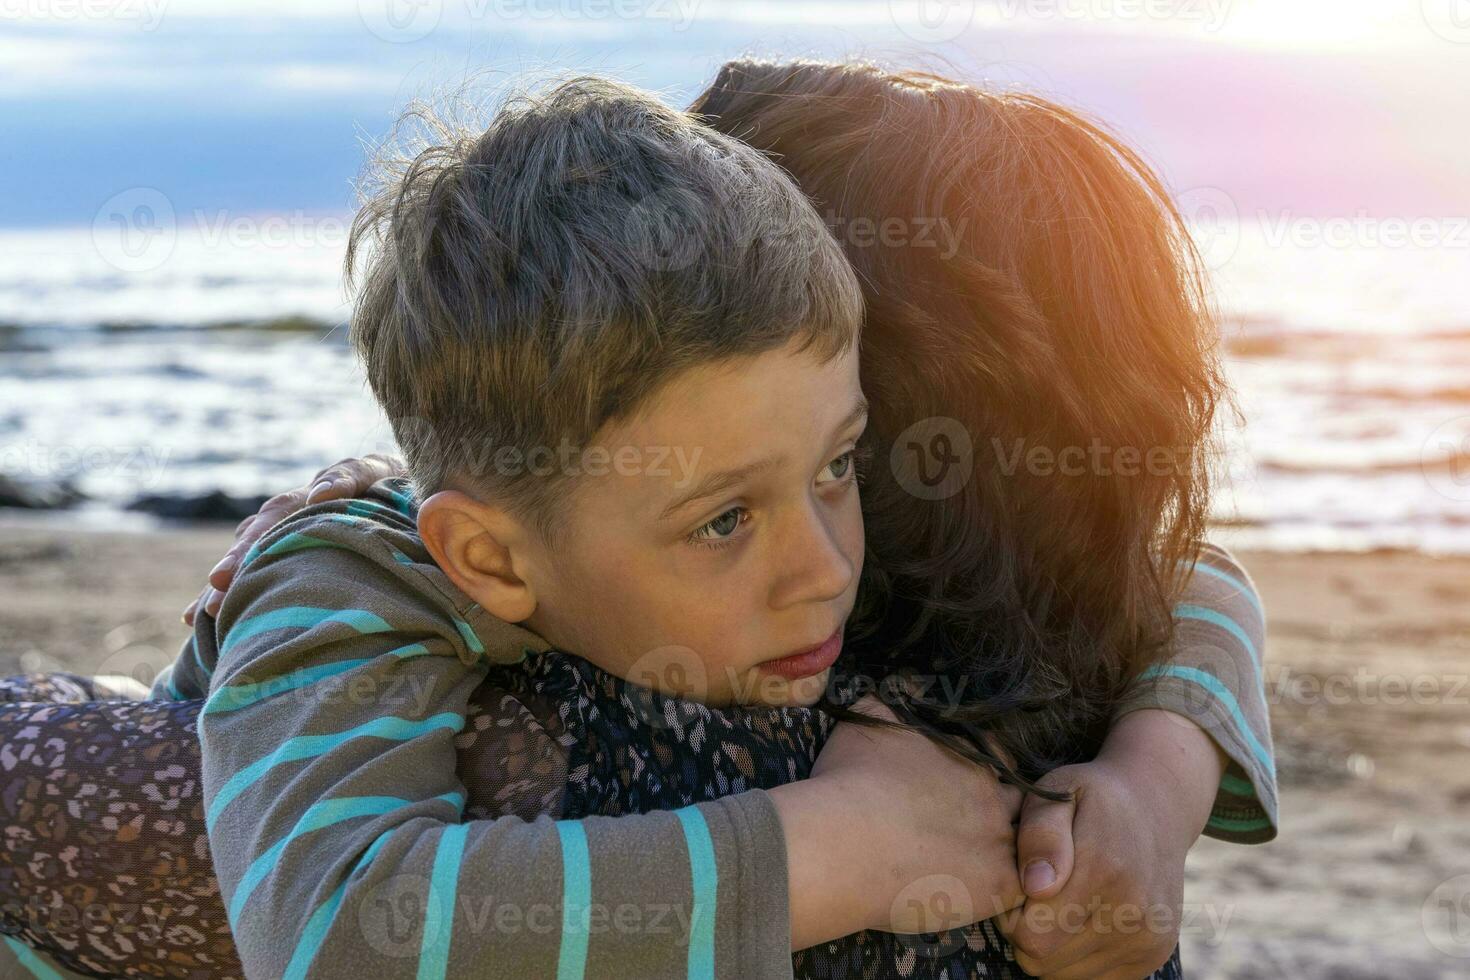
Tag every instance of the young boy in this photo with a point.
(592, 327)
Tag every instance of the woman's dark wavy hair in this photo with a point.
(1063, 307)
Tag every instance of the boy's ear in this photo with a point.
(483, 551)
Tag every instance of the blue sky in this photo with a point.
(1316, 107)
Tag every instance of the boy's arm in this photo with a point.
(1189, 751)
(339, 679)
(1215, 680)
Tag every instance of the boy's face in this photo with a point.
(724, 539)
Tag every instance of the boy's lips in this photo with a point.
(805, 663)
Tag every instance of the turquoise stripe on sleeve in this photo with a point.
(368, 508)
(173, 690)
(576, 900)
(705, 881)
(295, 541)
(302, 617)
(321, 815)
(1212, 684)
(1245, 590)
(439, 911)
(1239, 826)
(1236, 785)
(403, 500)
(198, 660)
(235, 696)
(287, 543)
(311, 746)
(1200, 613)
(27, 958)
(470, 638)
(315, 932)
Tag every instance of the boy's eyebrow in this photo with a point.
(713, 483)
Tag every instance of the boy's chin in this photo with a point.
(769, 691)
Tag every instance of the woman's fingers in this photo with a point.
(352, 477)
(271, 513)
(1012, 799)
(343, 479)
(193, 609)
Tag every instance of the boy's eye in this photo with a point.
(841, 467)
(720, 529)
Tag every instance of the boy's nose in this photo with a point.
(814, 567)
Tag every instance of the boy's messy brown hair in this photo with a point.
(1039, 292)
(523, 284)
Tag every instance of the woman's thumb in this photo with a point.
(1044, 843)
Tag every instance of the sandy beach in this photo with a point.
(1367, 664)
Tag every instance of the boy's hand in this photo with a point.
(1104, 874)
(344, 479)
(893, 832)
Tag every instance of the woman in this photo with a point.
(1030, 290)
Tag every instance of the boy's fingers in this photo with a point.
(1044, 848)
(212, 602)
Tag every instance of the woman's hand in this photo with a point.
(344, 479)
(1104, 874)
(893, 832)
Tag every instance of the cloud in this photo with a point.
(327, 78)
